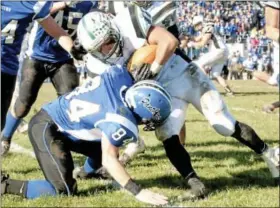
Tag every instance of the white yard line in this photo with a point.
(19, 149)
(253, 111)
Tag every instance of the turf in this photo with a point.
(235, 176)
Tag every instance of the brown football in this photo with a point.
(145, 54)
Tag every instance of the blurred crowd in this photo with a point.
(238, 22)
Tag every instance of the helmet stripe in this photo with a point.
(153, 84)
(90, 34)
(163, 93)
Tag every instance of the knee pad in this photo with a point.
(215, 110)
(174, 122)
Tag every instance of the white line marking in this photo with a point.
(252, 111)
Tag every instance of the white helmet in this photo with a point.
(197, 20)
(95, 29)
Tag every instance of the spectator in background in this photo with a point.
(250, 66)
(267, 63)
(235, 66)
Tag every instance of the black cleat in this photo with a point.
(101, 173)
(4, 178)
(198, 190)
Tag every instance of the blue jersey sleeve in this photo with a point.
(42, 10)
(118, 134)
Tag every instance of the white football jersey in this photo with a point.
(162, 13)
(217, 41)
(134, 24)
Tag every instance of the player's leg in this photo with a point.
(92, 167)
(7, 88)
(216, 72)
(209, 102)
(65, 78)
(32, 78)
(53, 154)
(182, 135)
(212, 58)
(168, 133)
(10, 117)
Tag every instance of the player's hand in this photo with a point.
(77, 51)
(142, 72)
(190, 44)
(150, 197)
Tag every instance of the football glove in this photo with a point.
(142, 72)
(77, 51)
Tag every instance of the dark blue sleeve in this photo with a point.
(118, 134)
(42, 10)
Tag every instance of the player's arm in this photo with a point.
(166, 45)
(272, 23)
(111, 162)
(54, 30)
(183, 41)
(202, 42)
(198, 38)
(58, 6)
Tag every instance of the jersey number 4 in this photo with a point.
(9, 31)
(80, 109)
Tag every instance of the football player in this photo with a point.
(163, 14)
(101, 115)
(272, 16)
(218, 50)
(183, 80)
(14, 24)
(46, 58)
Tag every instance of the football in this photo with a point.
(145, 54)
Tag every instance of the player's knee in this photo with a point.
(217, 113)
(23, 106)
(224, 129)
(67, 87)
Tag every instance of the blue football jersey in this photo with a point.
(95, 107)
(16, 17)
(44, 47)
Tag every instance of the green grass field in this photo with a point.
(235, 176)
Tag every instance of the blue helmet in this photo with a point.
(150, 103)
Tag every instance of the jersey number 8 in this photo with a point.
(119, 134)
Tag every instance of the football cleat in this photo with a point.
(198, 190)
(4, 178)
(271, 157)
(5, 147)
(80, 173)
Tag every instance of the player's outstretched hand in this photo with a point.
(150, 197)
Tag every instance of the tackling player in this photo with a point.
(217, 56)
(120, 37)
(14, 24)
(46, 58)
(163, 14)
(108, 107)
